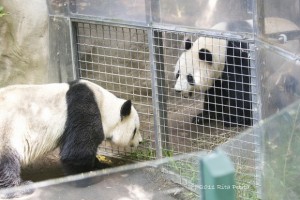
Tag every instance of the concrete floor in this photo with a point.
(147, 183)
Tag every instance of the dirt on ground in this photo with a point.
(141, 183)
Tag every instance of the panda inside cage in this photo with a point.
(194, 86)
(201, 93)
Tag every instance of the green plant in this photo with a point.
(2, 11)
(245, 186)
(145, 154)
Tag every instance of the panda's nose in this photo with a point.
(178, 91)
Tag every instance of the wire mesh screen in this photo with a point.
(216, 103)
(117, 58)
(193, 92)
(210, 89)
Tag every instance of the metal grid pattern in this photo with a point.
(180, 134)
(119, 58)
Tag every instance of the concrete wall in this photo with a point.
(24, 42)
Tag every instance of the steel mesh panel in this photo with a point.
(119, 59)
(182, 135)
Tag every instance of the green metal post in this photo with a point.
(217, 181)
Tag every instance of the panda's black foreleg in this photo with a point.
(10, 174)
(80, 164)
(78, 153)
(10, 170)
(213, 102)
(78, 145)
(239, 110)
(208, 111)
(85, 165)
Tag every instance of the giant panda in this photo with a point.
(221, 69)
(75, 116)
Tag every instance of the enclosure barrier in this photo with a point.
(145, 178)
(133, 54)
(138, 181)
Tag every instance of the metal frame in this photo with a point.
(155, 41)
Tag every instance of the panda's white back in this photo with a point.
(32, 118)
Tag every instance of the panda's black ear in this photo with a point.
(188, 44)
(126, 109)
(205, 55)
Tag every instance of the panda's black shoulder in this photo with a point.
(80, 93)
(83, 131)
(83, 114)
(79, 89)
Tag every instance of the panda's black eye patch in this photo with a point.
(190, 79)
(188, 44)
(177, 74)
(205, 55)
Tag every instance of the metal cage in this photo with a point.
(133, 55)
(138, 63)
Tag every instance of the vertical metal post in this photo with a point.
(60, 63)
(256, 114)
(217, 177)
(259, 18)
(72, 8)
(256, 71)
(74, 49)
(159, 99)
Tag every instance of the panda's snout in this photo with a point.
(178, 91)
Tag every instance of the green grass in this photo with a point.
(248, 186)
(189, 170)
(2, 11)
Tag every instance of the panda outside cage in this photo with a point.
(117, 58)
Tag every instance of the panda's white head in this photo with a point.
(125, 131)
(199, 65)
(120, 120)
